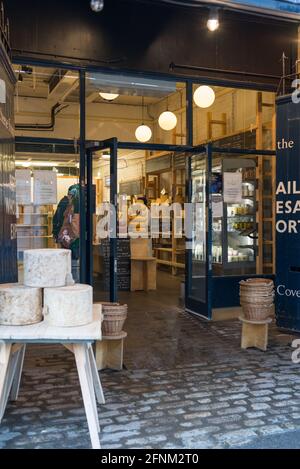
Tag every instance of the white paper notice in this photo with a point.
(217, 209)
(233, 188)
(2, 91)
(23, 186)
(44, 187)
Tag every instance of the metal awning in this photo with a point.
(285, 9)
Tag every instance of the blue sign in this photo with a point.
(283, 8)
(288, 214)
(291, 6)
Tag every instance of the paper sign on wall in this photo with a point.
(23, 186)
(2, 91)
(44, 187)
(217, 208)
(233, 188)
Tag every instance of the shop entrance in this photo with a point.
(223, 240)
(126, 180)
(220, 227)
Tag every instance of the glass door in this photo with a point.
(101, 219)
(198, 233)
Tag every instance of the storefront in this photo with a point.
(130, 128)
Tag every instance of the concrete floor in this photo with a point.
(186, 384)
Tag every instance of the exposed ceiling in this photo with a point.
(63, 86)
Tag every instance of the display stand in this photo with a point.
(143, 265)
(255, 333)
(110, 352)
(143, 273)
(78, 340)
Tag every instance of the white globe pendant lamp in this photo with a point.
(213, 20)
(167, 120)
(143, 133)
(108, 96)
(204, 96)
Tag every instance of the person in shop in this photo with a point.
(66, 226)
(139, 217)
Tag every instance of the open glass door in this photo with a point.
(198, 242)
(101, 219)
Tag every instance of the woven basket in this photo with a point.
(254, 300)
(257, 298)
(114, 317)
(257, 313)
(257, 283)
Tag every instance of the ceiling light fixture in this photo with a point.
(204, 96)
(97, 5)
(106, 156)
(108, 96)
(44, 164)
(143, 132)
(167, 120)
(213, 20)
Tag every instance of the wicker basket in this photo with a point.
(257, 298)
(114, 317)
(257, 313)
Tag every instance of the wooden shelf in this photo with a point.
(171, 263)
(25, 225)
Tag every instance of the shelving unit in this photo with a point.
(34, 227)
(234, 247)
(169, 252)
(266, 196)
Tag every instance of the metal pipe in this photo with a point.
(37, 127)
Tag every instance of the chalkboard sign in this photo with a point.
(124, 263)
(158, 164)
(179, 160)
(242, 140)
(131, 187)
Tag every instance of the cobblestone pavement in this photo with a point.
(187, 384)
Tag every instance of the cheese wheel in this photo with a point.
(47, 267)
(68, 306)
(20, 305)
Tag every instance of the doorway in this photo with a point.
(130, 261)
(200, 252)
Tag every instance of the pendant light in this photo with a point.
(167, 120)
(204, 96)
(213, 20)
(108, 96)
(97, 5)
(106, 156)
(143, 133)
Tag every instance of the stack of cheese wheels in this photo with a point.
(20, 305)
(47, 275)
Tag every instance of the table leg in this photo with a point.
(96, 378)
(9, 355)
(145, 275)
(88, 394)
(5, 351)
(91, 386)
(18, 373)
